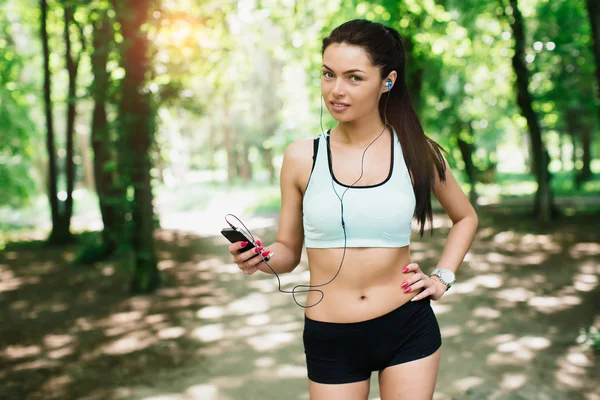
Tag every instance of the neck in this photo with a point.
(360, 132)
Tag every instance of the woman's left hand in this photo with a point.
(432, 287)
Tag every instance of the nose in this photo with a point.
(338, 88)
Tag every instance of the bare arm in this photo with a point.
(465, 221)
(463, 216)
(287, 249)
(290, 233)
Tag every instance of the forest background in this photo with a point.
(128, 129)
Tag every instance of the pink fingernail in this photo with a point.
(265, 253)
(256, 249)
(408, 289)
(244, 244)
(404, 284)
(259, 242)
(405, 269)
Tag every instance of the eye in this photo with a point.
(355, 78)
(327, 74)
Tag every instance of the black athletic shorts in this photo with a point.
(349, 352)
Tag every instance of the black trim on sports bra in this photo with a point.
(358, 187)
(315, 152)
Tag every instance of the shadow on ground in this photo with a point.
(509, 326)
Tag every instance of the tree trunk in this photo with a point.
(563, 142)
(585, 174)
(593, 7)
(526, 146)
(229, 142)
(213, 147)
(581, 131)
(543, 206)
(466, 151)
(52, 172)
(574, 156)
(267, 155)
(271, 117)
(108, 197)
(61, 223)
(237, 157)
(137, 125)
(571, 127)
(87, 163)
(72, 67)
(246, 168)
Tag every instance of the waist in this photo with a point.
(367, 286)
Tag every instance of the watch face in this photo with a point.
(447, 276)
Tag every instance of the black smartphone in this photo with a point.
(233, 235)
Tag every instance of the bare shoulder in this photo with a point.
(298, 151)
(298, 158)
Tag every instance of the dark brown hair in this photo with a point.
(384, 46)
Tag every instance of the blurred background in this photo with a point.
(129, 128)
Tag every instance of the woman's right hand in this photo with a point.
(248, 260)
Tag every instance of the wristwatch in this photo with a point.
(446, 276)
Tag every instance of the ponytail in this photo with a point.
(421, 154)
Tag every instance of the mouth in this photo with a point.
(339, 106)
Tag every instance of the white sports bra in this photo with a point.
(375, 216)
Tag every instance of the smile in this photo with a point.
(338, 107)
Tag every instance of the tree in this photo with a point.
(63, 233)
(52, 173)
(136, 127)
(593, 7)
(17, 129)
(61, 211)
(110, 197)
(561, 78)
(543, 206)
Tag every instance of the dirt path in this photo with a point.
(509, 325)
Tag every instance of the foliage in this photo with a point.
(17, 98)
(241, 80)
(590, 337)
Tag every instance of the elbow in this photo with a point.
(295, 263)
(475, 220)
(292, 257)
(469, 219)
(473, 217)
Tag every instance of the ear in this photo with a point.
(392, 76)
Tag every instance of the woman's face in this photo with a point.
(351, 86)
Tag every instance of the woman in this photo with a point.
(356, 206)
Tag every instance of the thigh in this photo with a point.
(343, 391)
(414, 380)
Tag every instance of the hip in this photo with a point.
(414, 322)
